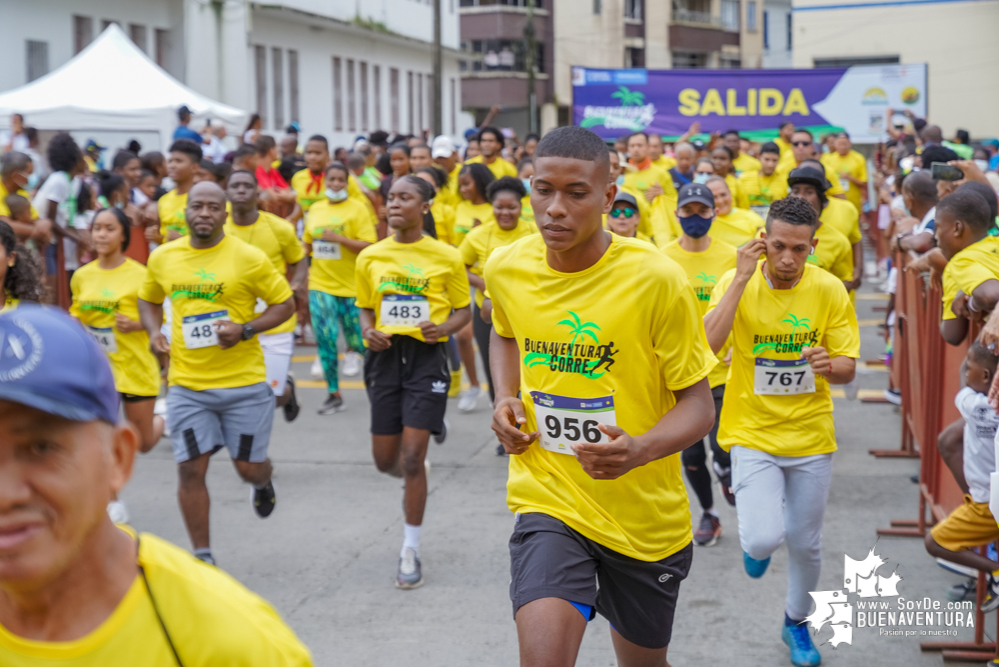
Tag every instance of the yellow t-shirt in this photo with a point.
(227, 278)
(761, 190)
(627, 330)
(842, 216)
(527, 211)
(100, 294)
(833, 253)
(776, 324)
(657, 216)
(637, 182)
(784, 169)
(171, 207)
(968, 269)
(703, 270)
(852, 163)
(739, 198)
(664, 162)
(480, 243)
(306, 192)
(212, 620)
(736, 228)
(349, 219)
(745, 163)
(355, 192)
(276, 237)
(449, 195)
(443, 217)
(427, 268)
(5, 210)
(465, 215)
(499, 166)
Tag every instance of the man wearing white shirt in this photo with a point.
(14, 139)
(216, 150)
(919, 193)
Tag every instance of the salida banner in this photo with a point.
(612, 102)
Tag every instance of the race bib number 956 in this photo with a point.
(563, 421)
(782, 377)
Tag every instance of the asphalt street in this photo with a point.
(327, 557)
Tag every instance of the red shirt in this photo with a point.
(269, 178)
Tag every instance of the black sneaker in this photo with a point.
(962, 591)
(410, 573)
(708, 532)
(333, 403)
(441, 435)
(991, 596)
(263, 500)
(291, 408)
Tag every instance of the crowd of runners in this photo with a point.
(635, 306)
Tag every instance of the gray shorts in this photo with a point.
(238, 419)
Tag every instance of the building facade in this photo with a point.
(778, 34)
(957, 40)
(594, 33)
(337, 67)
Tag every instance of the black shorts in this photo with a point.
(407, 386)
(132, 398)
(548, 559)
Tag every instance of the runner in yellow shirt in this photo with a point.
(337, 230)
(20, 274)
(218, 394)
(616, 177)
(491, 144)
(413, 293)
(842, 216)
(654, 185)
(704, 260)
(793, 333)
(623, 219)
(732, 225)
(850, 167)
(525, 170)
(446, 157)
(802, 149)
(505, 194)
(309, 183)
(721, 157)
(442, 212)
(276, 237)
(136, 599)
(765, 185)
(657, 153)
(785, 131)
(600, 364)
(474, 208)
(741, 162)
(183, 163)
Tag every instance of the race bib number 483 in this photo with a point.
(563, 421)
(404, 310)
(783, 377)
(199, 330)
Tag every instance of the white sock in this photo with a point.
(410, 539)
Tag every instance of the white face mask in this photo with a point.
(701, 178)
(336, 195)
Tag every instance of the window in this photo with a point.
(766, 29)
(787, 21)
(504, 55)
(394, 98)
(730, 62)
(454, 105)
(376, 84)
(419, 104)
(260, 70)
(38, 59)
(278, 69)
(293, 84)
(351, 107)
(363, 72)
(687, 60)
(409, 102)
(730, 14)
(337, 95)
(751, 15)
(597, 6)
(634, 58)
(633, 9)
(83, 32)
(162, 46)
(138, 35)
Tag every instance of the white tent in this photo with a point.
(112, 85)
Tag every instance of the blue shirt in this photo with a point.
(184, 132)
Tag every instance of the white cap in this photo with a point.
(442, 147)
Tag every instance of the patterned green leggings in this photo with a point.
(327, 312)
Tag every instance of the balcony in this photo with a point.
(700, 19)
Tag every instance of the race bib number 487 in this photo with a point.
(783, 377)
(563, 421)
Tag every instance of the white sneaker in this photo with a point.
(469, 399)
(352, 364)
(117, 511)
(317, 370)
(851, 388)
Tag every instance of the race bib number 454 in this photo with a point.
(404, 310)
(563, 421)
(326, 250)
(783, 377)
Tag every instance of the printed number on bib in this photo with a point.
(404, 310)
(325, 250)
(782, 377)
(563, 421)
(199, 330)
(105, 338)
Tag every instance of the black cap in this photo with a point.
(809, 176)
(626, 198)
(183, 112)
(695, 192)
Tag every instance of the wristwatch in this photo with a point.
(248, 331)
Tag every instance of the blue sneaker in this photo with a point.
(755, 568)
(803, 651)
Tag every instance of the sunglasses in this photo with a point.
(622, 212)
(801, 143)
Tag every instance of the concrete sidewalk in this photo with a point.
(327, 557)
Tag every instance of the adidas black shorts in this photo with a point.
(407, 386)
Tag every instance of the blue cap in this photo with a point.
(48, 362)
